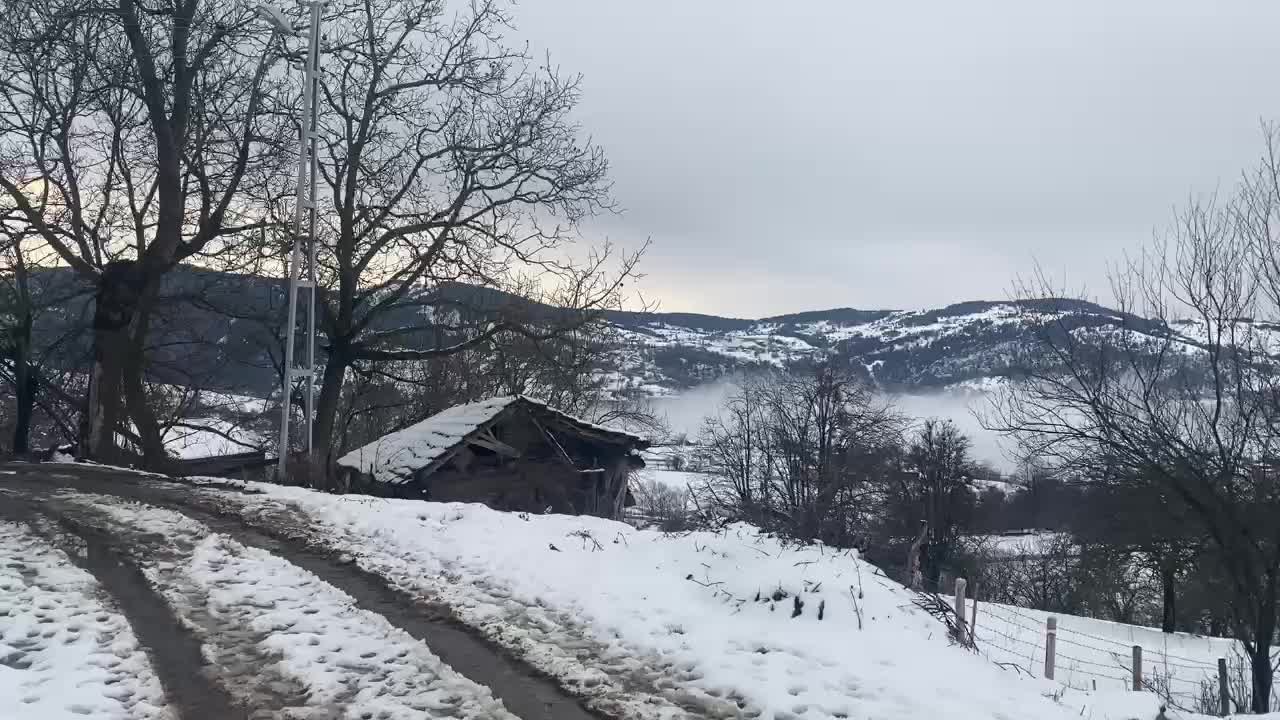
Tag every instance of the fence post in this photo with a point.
(1137, 667)
(973, 622)
(1050, 645)
(1224, 693)
(963, 635)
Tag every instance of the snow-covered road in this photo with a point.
(65, 651)
(115, 608)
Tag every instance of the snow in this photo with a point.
(64, 652)
(394, 457)
(327, 644)
(341, 655)
(598, 605)
(678, 479)
(209, 437)
(1089, 650)
(1030, 544)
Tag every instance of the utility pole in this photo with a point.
(304, 231)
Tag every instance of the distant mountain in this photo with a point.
(215, 329)
(966, 344)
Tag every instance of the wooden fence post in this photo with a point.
(1224, 692)
(1050, 645)
(1137, 667)
(960, 630)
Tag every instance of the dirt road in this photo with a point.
(242, 621)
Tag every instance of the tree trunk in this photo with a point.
(1263, 636)
(24, 384)
(1168, 622)
(144, 421)
(335, 372)
(118, 296)
(133, 383)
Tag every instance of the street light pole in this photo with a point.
(304, 231)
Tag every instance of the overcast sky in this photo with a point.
(801, 154)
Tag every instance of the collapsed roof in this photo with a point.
(425, 446)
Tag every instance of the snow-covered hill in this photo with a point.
(967, 346)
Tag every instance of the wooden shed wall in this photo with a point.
(541, 478)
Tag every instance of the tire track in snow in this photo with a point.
(66, 651)
(256, 612)
(614, 678)
(526, 690)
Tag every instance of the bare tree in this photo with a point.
(661, 501)
(129, 132)
(804, 451)
(447, 157)
(1186, 399)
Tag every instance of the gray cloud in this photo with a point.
(796, 155)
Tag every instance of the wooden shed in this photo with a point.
(510, 453)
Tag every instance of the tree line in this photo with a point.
(818, 455)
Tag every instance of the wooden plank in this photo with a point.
(485, 439)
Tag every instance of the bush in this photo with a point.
(662, 502)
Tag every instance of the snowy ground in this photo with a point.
(641, 624)
(209, 437)
(64, 653)
(1099, 653)
(263, 620)
(1032, 544)
(724, 624)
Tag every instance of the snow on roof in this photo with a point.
(395, 457)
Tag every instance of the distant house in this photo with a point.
(511, 453)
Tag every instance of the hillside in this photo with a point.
(218, 330)
(968, 344)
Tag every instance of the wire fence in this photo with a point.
(1085, 660)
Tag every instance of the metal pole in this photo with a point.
(303, 203)
(313, 78)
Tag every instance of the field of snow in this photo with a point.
(209, 437)
(1031, 544)
(64, 654)
(1099, 653)
(726, 622)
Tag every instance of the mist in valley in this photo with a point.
(686, 411)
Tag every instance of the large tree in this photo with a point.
(448, 157)
(130, 131)
(1186, 400)
(937, 488)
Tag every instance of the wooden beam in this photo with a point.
(485, 439)
(564, 456)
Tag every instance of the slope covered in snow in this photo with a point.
(649, 625)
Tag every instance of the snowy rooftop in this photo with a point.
(395, 457)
